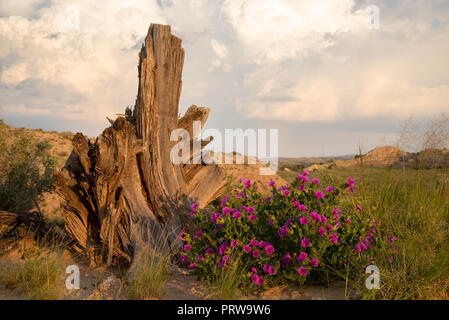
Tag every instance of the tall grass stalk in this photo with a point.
(226, 281)
(147, 279)
(39, 275)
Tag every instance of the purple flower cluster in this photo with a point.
(300, 224)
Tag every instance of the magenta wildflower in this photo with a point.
(282, 231)
(199, 234)
(358, 248)
(306, 179)
(363, 244)
(271, 183)
(319, 194)
(271, 270)
(335, 211)
(234, 243)
(183, 258)
(314, 262)
(192, 265)
(222, 248)
(181, 235)
(316, 181)
(323, 219)
(270, 222)
(257, 280)
(262, 244)
(302, 271)
(226, 210)
(200, 258)
(254, 243)
(334, 238)
(252, 218)
(236, 214)
(336, 217)
(301, 187)
(315, 216)
(286, 193)
(247, 248)
(214, 217)
(194, 206)
(253, 270)
(300, 206)
(305, 172)
(224, 200)
(256, 254)
(305, 243)
(304, 220)
(359, 208)
(302, 256)
(330, 189)
(247, 184)
(286, 260)
(192, 212)
(351, 182)
(321, 231)
(209, 251)
(330, 227)
(265, 267)
(224, 261)
(187, 247)
(348, 220)
(269, 249)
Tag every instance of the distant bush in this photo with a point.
(296, 234)
(26, 170)
(66, 135)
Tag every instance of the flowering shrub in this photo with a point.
(292, 235)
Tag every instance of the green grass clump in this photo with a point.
(226, 283)
(148, 279)
(38, 276)
(150, 272)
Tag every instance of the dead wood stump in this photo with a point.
(122, 194)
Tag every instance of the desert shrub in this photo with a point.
(26, 170)
(297, 234)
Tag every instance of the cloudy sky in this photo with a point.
(312, 69)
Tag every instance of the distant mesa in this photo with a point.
(391, 157)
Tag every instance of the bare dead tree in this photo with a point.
(427, 138)
(122, 193)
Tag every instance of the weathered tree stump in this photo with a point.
(122, 194)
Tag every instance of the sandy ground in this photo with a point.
(103, 284)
